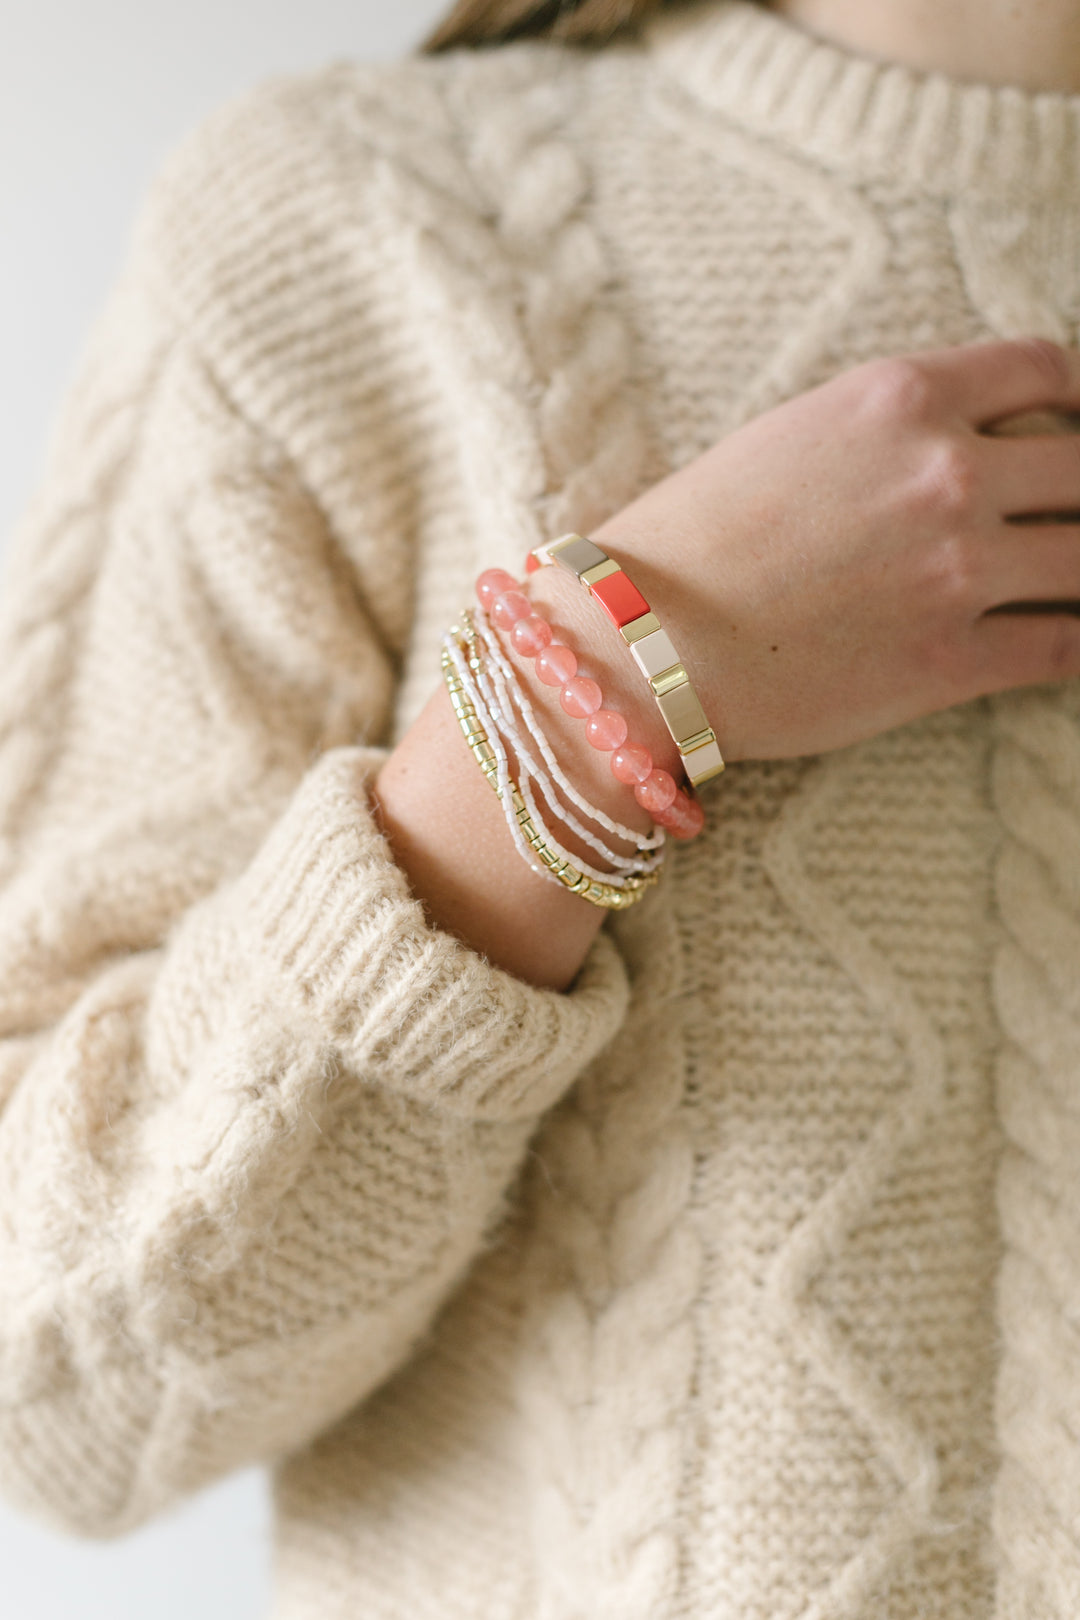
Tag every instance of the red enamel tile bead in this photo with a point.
(620, 599)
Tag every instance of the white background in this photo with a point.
(93, 93)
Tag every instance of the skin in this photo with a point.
(1031, 43)
(835, 568)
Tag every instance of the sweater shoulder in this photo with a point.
(273, 184)
(288, 218)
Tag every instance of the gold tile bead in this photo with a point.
(668, 680)
(637, 629)
(604, 570)
(703, 762)
(683, 714)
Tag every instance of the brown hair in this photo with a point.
(487, 22)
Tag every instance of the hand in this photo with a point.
(836, 567)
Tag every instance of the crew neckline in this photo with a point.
(864, 116)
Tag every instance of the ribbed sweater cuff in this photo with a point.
(327, 908)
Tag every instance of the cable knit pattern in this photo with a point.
(740, 1280)
(1037, 1505)
(39, 623)
(232, 1008)
(616, 1265)
(605, 1490)
(585, 421)
(893, 1428)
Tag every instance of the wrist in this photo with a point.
(647, 646)
(602, 656)
(683, 609)
(588, 767)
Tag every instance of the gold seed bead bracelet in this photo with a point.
(599, 894)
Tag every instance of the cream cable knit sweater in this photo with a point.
(742, 1281)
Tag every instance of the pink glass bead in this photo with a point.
(492, 583)
(656, 792)
(508, 608)
(581, 697)
(531, 635)
(631, 764)
(683, 818)
(556, 665)
(606, 729)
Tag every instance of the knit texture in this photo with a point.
(739, 1281)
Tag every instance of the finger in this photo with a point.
(1025, 649)
(1037, 474)
(1032, 564)
(987, 381)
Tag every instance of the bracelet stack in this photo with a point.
(502, 729)
(484, 701)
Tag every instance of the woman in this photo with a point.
(716, 1261)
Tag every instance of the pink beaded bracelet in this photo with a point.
(556, 665)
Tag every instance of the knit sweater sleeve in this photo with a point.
(256, 1115)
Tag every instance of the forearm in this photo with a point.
(448, 830)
